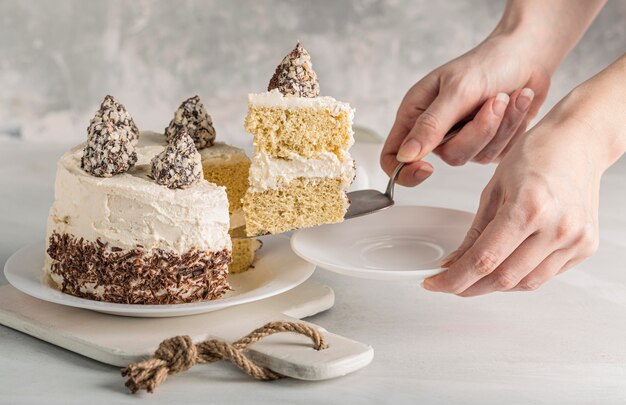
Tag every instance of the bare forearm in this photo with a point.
(549, 29)
(595, 112)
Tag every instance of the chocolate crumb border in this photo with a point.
(137, 276)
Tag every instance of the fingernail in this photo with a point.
(524, 99)
(422, 173)
(500, 103)
(446, 261)
(423, 169)
(427, 285)
(409, 151)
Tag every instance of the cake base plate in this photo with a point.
(276, 269)
(119, 340)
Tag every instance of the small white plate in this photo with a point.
(400, 243)
(276, 270)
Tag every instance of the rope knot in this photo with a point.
(179, 353)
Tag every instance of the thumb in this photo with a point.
(431, 126)
(486, 212)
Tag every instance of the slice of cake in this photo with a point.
(224, 165)
(133, 222)
(301, 169)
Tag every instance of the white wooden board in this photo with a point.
(121, 340)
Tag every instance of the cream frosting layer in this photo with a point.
(275, 98)
(223, 153)
(130, 209)
(270, 173)
(152, 143)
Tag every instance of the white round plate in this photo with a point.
(276, 270)
(399, 243)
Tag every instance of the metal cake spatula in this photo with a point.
(364, 202)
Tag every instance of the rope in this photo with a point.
(179, 354)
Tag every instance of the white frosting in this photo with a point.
(130, 209)
(152, 143)
(275, 98)
(222, 154)
(270, 173)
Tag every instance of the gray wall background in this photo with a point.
(59, 58)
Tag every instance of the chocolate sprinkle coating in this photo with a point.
(180, 163)
(95, 271)
(295, 75)
(192, 116)
(111, 139)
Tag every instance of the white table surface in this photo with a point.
(565, 343)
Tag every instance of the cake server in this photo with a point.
(364, 202)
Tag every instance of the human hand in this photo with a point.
(538, 215)
(527, 45)
(478, 82)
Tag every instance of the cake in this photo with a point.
(224, 165)
(133, 221)
(228, 166)
(301, 169)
